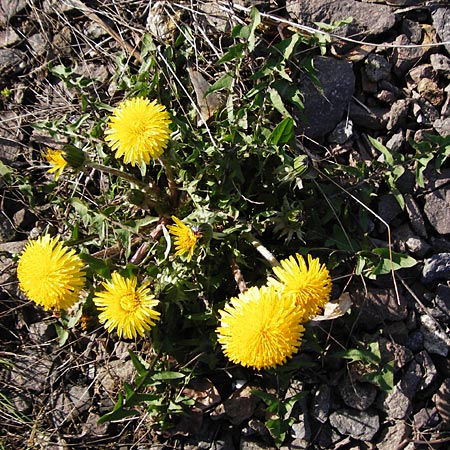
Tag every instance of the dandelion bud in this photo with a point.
(74, 156)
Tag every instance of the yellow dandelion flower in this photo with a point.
(126, 308)
(185, 238)
(260, 328)
(309, 285)
(138, 130)
(50, 274)
(57, 161)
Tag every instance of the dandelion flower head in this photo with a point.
(138, 130)
(260, 328)
(185, 238)
(125, 307)
(50, 274)
(309, 284)
(56, 160)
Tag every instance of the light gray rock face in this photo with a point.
(325, 105)
(9, 8)
(441, 23)
(367, 19)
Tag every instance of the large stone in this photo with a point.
(72, 402)
(428, 368)
(325, 105)
(379, 305)
(394, 436)
(404, 56)
(441, 23)
(9, 8)
(12, 61)
(361, 425)
(321, 403)
(442, 126)
(367, 19)
(441, 64)
(398, 403)
(436, 268)
(436, 340)
(437, 209)
(357, 395)
(239, 407)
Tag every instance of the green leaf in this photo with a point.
(256, 20)
(98, 265)
(277, 102)
(141, 370)
(73, 320)
(287, 46)
(5, 171)
(168, 375)
(388, 157)
(235, 52)
(268, 399)
(399, 261)
(223, 82)
(117, 415)
(62, 333)
(283, 132)
(355, 354)
(334, 25)
(383, 378)
(82, 209)
(291, 401)
(129, 391)
(136, 399)
(278, 429)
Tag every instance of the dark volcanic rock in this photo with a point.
(428, 368)
(442, 303)
(379, 305)
(324, 108)
(367, 19)
(373, 118)
(360, 425)
(398, 403)
(394, 436)
(426, 418)
(415, 216)
(436, 268)
(441, 64)
(442, 401)
(436, 340)
(11, 61)
(437, 209)
(321, 404)
(377, 67)
(357, 395)
(403, 58)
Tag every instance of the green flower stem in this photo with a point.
(261, 249)
(150, 188)
(155, 197)
(173, 187)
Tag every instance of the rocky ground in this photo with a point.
(388, 77)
